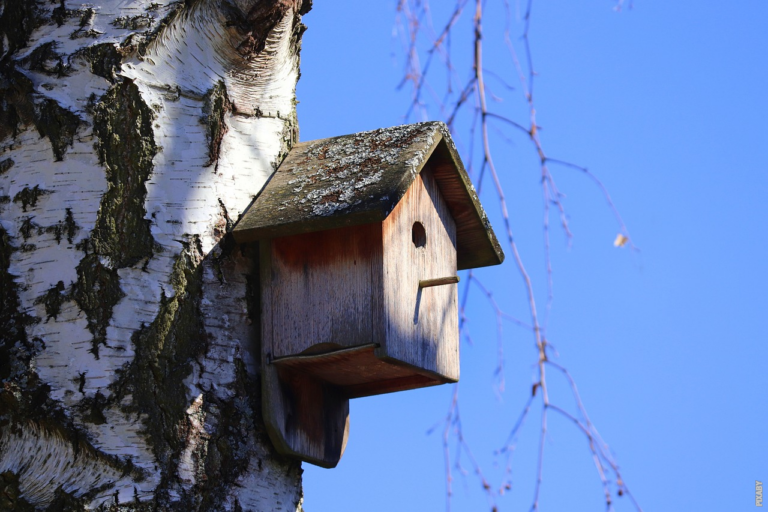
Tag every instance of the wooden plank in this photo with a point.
(304, 417)
(477, 245)
(422, 323)
(327, 289)
(357, 372)
(439, 281)
(310, 417)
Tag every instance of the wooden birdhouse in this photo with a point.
(360, 239)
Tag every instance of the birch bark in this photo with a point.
(132, 135)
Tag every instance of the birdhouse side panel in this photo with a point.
(420, 244)
(326, 290)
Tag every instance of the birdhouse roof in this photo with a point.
(359, 179)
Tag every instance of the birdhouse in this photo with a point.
(360, 239)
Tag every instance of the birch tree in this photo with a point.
(132, 135)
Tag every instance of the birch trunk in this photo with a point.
(132, 135)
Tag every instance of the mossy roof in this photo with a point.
(359, 179)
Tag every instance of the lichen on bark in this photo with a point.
(105, 60)
(123, 125)
(165, 351)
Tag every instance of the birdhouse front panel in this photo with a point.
(325, 291)
(419, 246)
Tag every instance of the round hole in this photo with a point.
(418, 235)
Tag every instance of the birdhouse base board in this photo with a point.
(305, 417)
(358, 372)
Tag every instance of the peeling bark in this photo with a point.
(132, 135)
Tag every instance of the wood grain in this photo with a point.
(357, 372)
(439, 281)
(326, 288)
(422, 323)
(305, 417)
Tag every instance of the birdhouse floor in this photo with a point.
(357, 372)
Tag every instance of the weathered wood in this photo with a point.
(304, 417)
(422, 324)
(359, 237)
(440, 281)
(360, 178)
(326, 289)
(357, 372)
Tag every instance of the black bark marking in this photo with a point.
(96, 292)
(226, 456)
(13, 319)
(216, 106)
(66, 227)
(28, 228)
(105, 60)
(256, 25)
(10, 495)
(93, 408)
(60, 13)
(45, 59)
(70, 227)
(67, 502)
(18, 20)
(17, 110)
(58, 124)
(122, 237)
(225, 242)
(29, 197)
(306, 6)
(123, 124)
(6, 165)
(53, 299)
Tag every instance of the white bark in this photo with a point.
(186, 290)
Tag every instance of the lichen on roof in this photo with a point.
(333, 175)
(359, 178)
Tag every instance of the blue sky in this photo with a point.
(666, 103)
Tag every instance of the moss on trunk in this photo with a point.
(165, 351)
(123, 124)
